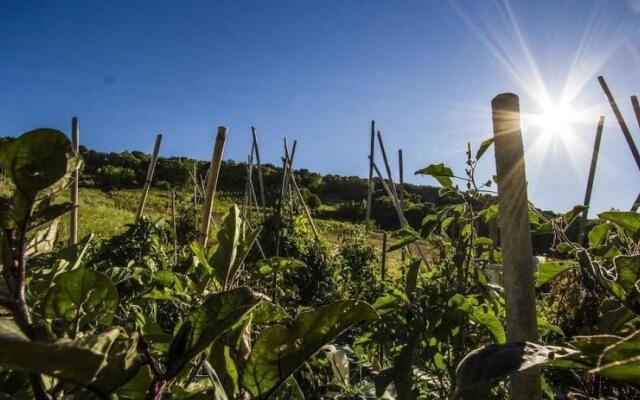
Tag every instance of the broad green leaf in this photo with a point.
(35, 161)
(628, 268)
(412, 277)
(629, 220)
(405, 235)
(233, 246)
(77, 361)
(621, 361)
(218, 313)
(598, 233)
(122, 365)
(219, 392)
(483, 147)
(485, 366)
(440, 172)
(84, 294)
(280, 350)
(487, 318)
(267, 313)
(226, 370)
(550, 269)
(43, 215)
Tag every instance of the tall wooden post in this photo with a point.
(149, 178)
(387, 166)
(518, 274)
(592, 172)
(75, 147)
(260, 181)
(212, 182)
(175, 225)
(401, 181)
(371, 155)
(401, 187)
(623, 124)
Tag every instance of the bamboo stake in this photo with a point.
(592, 172)
(401, 217)
(371, 158)
(252, 191)
(623, 125)
(260, 180)
(386, 165)
(636, 108)
(518, 271)
(75, 147)
(401, 183)
(304, 205)
(149, 178)
(175, 225)
(195, 194)
(383, 267)
(212, 182)
(401, 186)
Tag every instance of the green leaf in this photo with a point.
(628, 268)
(268, 266)
(84, 294)
(406, 235)
(268, 312)
(226, 370)
(441, 172)
(490, 364)
(543, 323)
(280, 350)
(573, 213)
(36, 160)
(78, 361)
(233, 246)
(122, 365)
(598, 233)
(218, 313)
(621, 360)
(628, 220)
(46, 214)
(487, 318)
(483, 147)
(548, 270)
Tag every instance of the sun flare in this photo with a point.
(556, 119)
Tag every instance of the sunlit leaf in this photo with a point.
(280, 350)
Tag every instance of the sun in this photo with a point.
(556, 120)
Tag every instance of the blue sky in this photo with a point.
(319, 71)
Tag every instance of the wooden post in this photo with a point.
(75, 147)
(623, 125)
(371, 158)
(383, 266)
(401, 182)
(592, 172)
(386, 165)
(149, 178)
(518, 274)
(212, 182)
(304, 205)
(260, 181)
(636, 108)
(175, 225)
(401, 187)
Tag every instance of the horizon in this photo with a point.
(319, 73)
